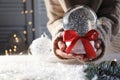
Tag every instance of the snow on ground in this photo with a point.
(43, 65)
(38, 68)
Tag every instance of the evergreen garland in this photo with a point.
(106, 70)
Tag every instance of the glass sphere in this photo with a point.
(81, 19)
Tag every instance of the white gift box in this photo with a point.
(79, 48)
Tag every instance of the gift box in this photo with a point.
(79, 47)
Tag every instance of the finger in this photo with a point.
(99, 51)
(98, 44)
(61, 45)
(86, 59)
(80, 58)
(64, 55)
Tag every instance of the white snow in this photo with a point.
(38, 68)
(43, 65)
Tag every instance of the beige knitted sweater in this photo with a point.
(108, 13)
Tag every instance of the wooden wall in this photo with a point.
(40, 18)
(14, 19)
(11, 19)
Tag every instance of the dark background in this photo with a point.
(18, 17)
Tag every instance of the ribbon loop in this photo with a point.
(69, 35)
(92, 34)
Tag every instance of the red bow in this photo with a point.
(72, 36)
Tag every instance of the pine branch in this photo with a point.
(107, 70)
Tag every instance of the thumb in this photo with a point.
(61, 45)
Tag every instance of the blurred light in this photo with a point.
(22, 12)
(24, 32)
(23, 1)
(10, 50)
(16, 39)
(31, 11)
(26, 11)
(30, 22)
(14, 35)
(15, 47)
(33, 29)
(14, 50)
(6, 52)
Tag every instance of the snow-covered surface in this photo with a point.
(43, 65)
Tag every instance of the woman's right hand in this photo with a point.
(60, 47)
(61, 50)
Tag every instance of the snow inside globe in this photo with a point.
(81, 19)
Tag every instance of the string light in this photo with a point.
(23, 1)
(14, 35)
(26, 11)
(6, 52)
(30, 22)
(33, 29)
(31, 11)
(10, 50)
(15, 47)
(24, 32)
(14, 50)
(16, 39)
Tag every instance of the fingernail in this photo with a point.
(98, 45)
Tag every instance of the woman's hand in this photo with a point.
(61, 47)
(100, 47)
(61, 50)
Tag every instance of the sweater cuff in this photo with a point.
(55, 40)
(105, 27)
(104, 30)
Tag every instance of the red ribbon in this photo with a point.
(72, 36)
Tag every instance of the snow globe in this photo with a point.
(80, 32)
